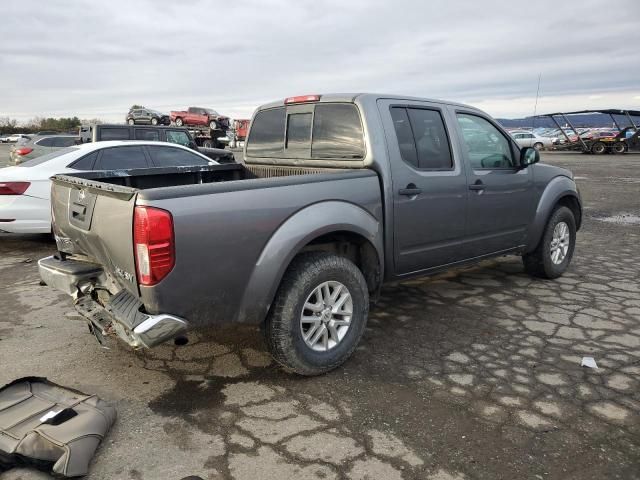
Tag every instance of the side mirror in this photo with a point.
(529, 156)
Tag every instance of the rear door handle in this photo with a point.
(410, 191)
(477, 186)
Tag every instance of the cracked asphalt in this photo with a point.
(474, 374)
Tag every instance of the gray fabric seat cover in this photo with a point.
(66, 448)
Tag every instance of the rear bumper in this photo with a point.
(122, 315)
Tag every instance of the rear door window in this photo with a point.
(121, 158)
(63, 141)
(86, 162)
(266, 138)
(45, 142)
(176, 136)
(114, 133)
(337, 132)
(173, 157)
(150, 134)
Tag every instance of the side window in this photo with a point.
(86, 162)
(176, 136)
(528, 135)
(422, 138)
(117, 158)
(337, 132)
(146, 134)
(114, 133)
(517, 136)
(174, 156)
(46, 142)
(299, 130)
(432, 143)
(486, 145)
(266, 138)
(405, 136)
(64, 141)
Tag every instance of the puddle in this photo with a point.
(622, 219)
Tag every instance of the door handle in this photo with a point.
(477, 186)
(410, 191)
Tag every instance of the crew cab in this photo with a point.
(338, 194)
(200, 116)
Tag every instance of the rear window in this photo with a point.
(337, 132)
(267, 134)
(46, 142)
(64, 141)
(114, 133)
(299, 130)
(47, 157)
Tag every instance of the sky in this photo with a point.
(95, 59)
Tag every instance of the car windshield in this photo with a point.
(46, 158)
(210, 111)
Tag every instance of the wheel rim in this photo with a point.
(326, 316)
(560, 243)
(154, 121)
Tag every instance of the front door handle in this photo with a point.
(410, 191)
(477, 186)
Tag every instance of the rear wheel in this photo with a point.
(619, 147)
(598, 148)
(179, 122)
(131, 121)
(553, 254)
(319, 314)
(538, 146)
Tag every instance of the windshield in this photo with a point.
(211, 111)
(46, 158)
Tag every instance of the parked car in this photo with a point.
(42, 133)
(146, 116)
(200, 116)
(530, 139)
(356, 190)
(40, 145)
(173, 134)
(17, 137)
(25, 189)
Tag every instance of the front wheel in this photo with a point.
(154, 121)
(213, 125)
(619, 147)
(538, 146)
(131, 121)
(179, 122)
(319, 314)
(553, 254)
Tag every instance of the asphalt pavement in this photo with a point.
(474, 374)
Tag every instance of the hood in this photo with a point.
(544, 170)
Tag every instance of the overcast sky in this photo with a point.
(96, 58)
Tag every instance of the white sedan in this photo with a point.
(25, 189)
(530, 139)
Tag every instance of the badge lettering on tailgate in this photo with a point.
(124, 274)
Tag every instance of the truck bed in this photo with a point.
(224, 217)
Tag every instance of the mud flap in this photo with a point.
(50, 427)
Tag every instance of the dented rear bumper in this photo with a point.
(123, 314)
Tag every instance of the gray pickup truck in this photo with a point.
(338, 194)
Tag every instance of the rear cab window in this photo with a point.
(313, 131)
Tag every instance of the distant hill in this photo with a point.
(582, 120)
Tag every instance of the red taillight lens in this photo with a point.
(24, 151)
(13, 188)
(153, 244)
(302, 99)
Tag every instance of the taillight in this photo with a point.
(302, 99)
(13, 188)
(24, 151)
(153, 244)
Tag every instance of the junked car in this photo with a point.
(338, 195)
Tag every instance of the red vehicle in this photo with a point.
(198, 116)
(241, 127)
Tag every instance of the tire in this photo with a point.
(540, 263)
(154, 121)
(308, 274)
(131, 121)
(213, 125)
(538, 146)
(598, 148)
(179, 122)
(619, 147)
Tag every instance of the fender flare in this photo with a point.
(292, 236)
(555, 190)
